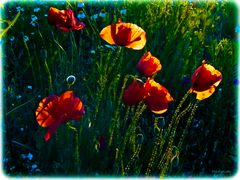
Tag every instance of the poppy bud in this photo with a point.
(149, 65)
(43, 54)
(161, 122)
(71, 80)
(140, 138)
(134, 93)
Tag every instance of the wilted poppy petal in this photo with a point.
(157, 97)
(43, 113)
(148, 65)
(56, 16)
(204, 80)
(134, 93)
(64, 19)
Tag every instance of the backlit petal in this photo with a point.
(204, 80)
(106, 35)
(43, 113)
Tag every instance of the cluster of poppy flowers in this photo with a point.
(204, 80)
(54, 111)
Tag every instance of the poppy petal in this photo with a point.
(107, 36)
(148, 65)
(204, 80)
(157, 98)
(43, 113)
(134, 93)
(52, 129)
(124, 34)
(201, 95)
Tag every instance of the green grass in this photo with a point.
(179, 33)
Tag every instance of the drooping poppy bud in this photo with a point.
(157, 97)
(54, 111)
(149, 65)
(64, 19)
(205, 80)
(124, 34)
(134, 93)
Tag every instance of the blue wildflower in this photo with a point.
(12, 38)
(25, 38)
(81, 15)
(29, 156)
(34, 166)
(36, 9)
(237, 29)
(123, 11)
(33, 23)
(80, 5)
(102, 14)
(18, 96)
(95, 16)
(29, 87)
(19, 9)
(34, 18)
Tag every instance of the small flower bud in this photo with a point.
(71, 80)
(43, 54)
(140, 138)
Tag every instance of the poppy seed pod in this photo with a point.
(205, 80)
(71, 80)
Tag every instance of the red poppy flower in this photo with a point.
(54, 111)
(134, 93)
(205, 80)
(124, 34)
(157, 97)
(64, 19)
(149, 65)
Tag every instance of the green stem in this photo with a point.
(76, 146)
(176, 113)
(140, 108)
(30, 62)
(14, 109)
(189, 122)
(158, 143)
(116, 119)
(133, 158)
(49, 76)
